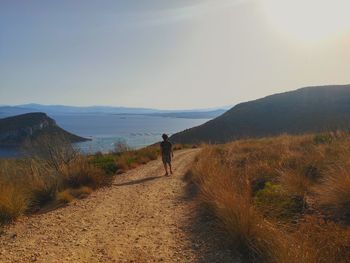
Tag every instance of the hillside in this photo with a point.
(15, 130)
(311, 109)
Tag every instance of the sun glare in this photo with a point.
(309, 21)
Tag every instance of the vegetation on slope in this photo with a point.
(54, 173)
(312, 109)
(283, 199)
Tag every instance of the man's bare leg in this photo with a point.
(171, 171)
(166, 169)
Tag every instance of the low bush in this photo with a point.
(106, 163)
(42, 194)
(323, 138)
(132, 158)
(275, 203)
(82, 173)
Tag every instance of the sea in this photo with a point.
(108, 130)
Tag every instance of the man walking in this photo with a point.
(166, 149)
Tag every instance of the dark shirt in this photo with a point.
(165, 147)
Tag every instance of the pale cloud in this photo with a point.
(178, 14)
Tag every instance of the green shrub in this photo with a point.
(274, 202)
(106, 163)
(323, 138)
(43, 194)
(83, 173)
(130, 160)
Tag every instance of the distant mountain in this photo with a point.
(62, 109)
(7, 111)
(17, 129)
(311, 109)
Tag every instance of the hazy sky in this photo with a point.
(167, 53)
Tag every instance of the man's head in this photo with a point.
(165, 137)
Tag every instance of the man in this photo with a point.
(166, 149)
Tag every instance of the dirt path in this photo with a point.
(143, 217)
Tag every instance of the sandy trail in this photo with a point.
(143, 217)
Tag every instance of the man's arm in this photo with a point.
(161, 148)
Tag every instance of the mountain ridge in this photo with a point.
(7, 111)
(308, 109)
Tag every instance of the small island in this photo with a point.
(15, 130)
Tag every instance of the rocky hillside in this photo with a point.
(311, 109)
(15, 130)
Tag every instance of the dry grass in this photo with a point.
(13, 201)
(68, 195)
(13, 194)
(29, 185)
(55, 172)
(122, 161)
(258, 191)
(82, 191)
(320, 241)
(295, 182)
(65, 196)
(82, 173)
(124, 158)
(131, 159)
(334, 192)
(220, 188)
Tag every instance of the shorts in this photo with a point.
(166, 158)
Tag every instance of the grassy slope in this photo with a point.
(283, 199)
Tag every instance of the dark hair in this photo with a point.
(164, 136)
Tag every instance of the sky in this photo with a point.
(169, 54)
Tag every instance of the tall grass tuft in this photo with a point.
(13, 201)
(13, 194)
(334, 192)
(229, 197)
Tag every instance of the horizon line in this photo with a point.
(225, 107)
